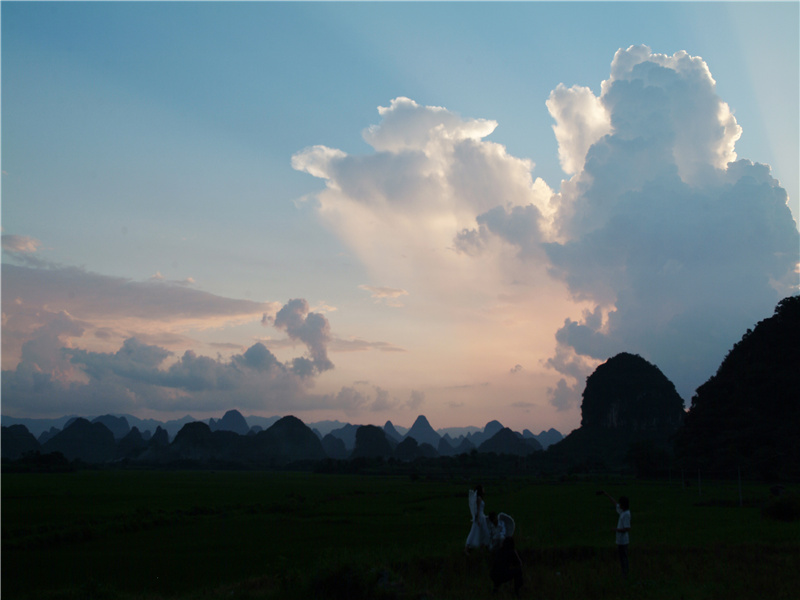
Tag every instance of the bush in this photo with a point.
(785, 507)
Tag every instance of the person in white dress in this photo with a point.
(479, 532)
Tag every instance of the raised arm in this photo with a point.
(607, 495)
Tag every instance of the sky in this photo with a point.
(371, 211)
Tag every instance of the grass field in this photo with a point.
(196, 535)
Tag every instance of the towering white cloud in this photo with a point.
(430, 174)
(672, 245)
(679, 246)
(581, 120)
(674, 97)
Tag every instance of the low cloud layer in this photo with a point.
(112, 309)
(430, 174)
(672, 245)
(75, 341)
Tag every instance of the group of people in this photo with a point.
(495, 532)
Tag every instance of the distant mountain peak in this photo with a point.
(492, 427)
(390, 430)
(231, 421)
(507, 441)
(423, 433)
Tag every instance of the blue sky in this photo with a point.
(156, 151)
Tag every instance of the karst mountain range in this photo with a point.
(109, 438)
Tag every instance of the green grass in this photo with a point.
(193, 535)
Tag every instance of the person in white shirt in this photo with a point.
(622, 529)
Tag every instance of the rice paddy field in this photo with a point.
(118, 534)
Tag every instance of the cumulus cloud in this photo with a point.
(63, 347)
(140, 376)
(137, 377)
(112, 308)
(671, 242)
(311, 328)
(581, 120)
(679, 245)
(430, 174)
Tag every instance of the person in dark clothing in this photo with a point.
(506, 566)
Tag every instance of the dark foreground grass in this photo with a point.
(136, 535)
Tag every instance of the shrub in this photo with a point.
(785, 507)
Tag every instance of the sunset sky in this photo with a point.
(370, 211)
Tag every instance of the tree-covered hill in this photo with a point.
(628, 403)
(747, 415)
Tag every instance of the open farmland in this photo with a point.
(186, 535)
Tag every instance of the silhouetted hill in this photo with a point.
(464, 447)
(46, 435)
(422, 431)
(627, 400)
(506, 441)
(629, 393)
(157, 449)
(391, 432)
(263, 422)
(747, 415)
(16, 441)
(288, 440)
(371, 442)
(117, 425)
(457, 432)
(334, 447)
(549, 437)
(38, 426)
(491, 428)
(407, 449)
(89, 442)
(231, 421)
(132, 445)
(229, 441)
(160, 438)
(427, 451)
(325, 427)
(146, 427)
(445, 447)
(347, 434)
(195, 441)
